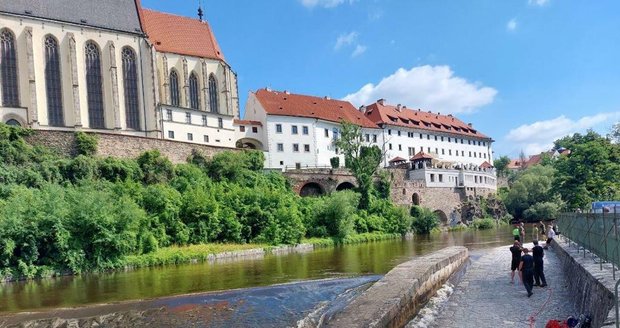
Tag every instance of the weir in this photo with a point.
(400, 294)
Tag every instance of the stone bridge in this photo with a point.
(320, 181)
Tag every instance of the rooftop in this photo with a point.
(180, 35)
(324, 108)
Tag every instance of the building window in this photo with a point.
(374, 138)
(204, 120)
(450, 152)
(194, 95)
(470, 154)
(437, 151)
(432, 177)
(206, 138)
(295, 147)
(254, 129)
(280, 147)
(435, 138)
(429, 150)
(443, 152)
(367, 136)
(242, 128)
(294, 129)
(400, 147)
(428, 137)
(462, 141)
(440, 176)
(171, 134)
(94, 85)
(463, 153)
(327, 133)
(485, 155)
(449, 139)
(278, 128)
(190, 136)
(53, 85)
(130, 84)
(335, 135)
(213, 103)
(307, 148)
(174, 88)
(441, 138)
(8, 69)
(469, 142)
(411, 151)
(220, 122)
(390, 146)
(188, 118)
(399, 133)
(421, 136)
(304, 130)
(168, 115)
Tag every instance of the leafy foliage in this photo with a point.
(424, 220)
(501, 165)
(532, 186)
(85, 144)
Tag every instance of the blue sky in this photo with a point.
(524, 72)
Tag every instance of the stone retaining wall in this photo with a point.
(402, 292)
(592, 287)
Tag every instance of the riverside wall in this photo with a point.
(402, 292)
(591, 286)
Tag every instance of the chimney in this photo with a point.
(268, 89)
(327, 98)
(381, 101)
(363, 109)
(287, 92)
(404, 107)
(398, 107)
(469, 124)
(449, 115)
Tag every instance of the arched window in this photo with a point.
(194, 96)
(130, 83)
(8, 69)
(174, 88)
(213, 103)
(94, 86)
(13, 122)
(53, 84)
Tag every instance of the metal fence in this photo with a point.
(597, 233)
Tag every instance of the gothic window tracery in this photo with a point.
(194, 96)
(94, 86)
(8, 69)
(213, 102)
(53, 83)
(174, 88)
(130, 84)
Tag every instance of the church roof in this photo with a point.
(180, 35)
(332, 110)
(118, 15)
(417, 119)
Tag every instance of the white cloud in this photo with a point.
(511, 25)
(359, 49)
(539, 136)
(427, 87)
(345, 40)
(539, 3)
(324, 3)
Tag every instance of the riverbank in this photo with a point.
(175, 255)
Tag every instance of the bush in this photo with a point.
(335, 162)
(542, 211)
(156, 168)
(424, 220)
(85, 144)
(115, 169)
(482, 224)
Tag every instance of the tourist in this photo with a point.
(539, 274)
(542, 228)
(550, 235)
(526, 270)
(535, 233)
(522, 228)
(516, 232)
(516, 259)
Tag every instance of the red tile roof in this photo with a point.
(397, 159)
(332, 110)
(246, 122)
(417, 119)
(421, 155)
(486, 165)
(515, 164)
(180, 35)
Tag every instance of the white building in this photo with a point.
(298, 130)
(408, 132)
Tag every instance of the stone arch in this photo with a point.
(441, 215)
(311, 189)
(249, 143)
(345, 186)
(13, 122)
(415, 199)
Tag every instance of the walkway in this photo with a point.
(485, 298)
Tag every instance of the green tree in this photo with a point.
(501, 165)
(424, 220)
(362, 160)
(614, 134)
(531, 186)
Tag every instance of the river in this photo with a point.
(375, 258)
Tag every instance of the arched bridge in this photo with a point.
(319, 181)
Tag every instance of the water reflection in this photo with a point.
(364, 259)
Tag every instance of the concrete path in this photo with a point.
(485, 298)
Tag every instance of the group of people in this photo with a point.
(530, 266)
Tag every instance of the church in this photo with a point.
(114, 67)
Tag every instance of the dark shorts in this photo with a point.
(514, 265)
(518, 238)
(549, 240)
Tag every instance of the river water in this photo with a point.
(315, 277)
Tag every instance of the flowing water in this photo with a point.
(300, 287)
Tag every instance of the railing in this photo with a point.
(599, 234)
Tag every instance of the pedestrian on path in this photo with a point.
(516, 259)
(535, 233)
(539, 275)
(516, 232)
(526, 269)
(550, 236)
(522, 229)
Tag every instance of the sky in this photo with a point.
(524, 72)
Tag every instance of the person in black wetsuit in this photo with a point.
(526, 268)
(516, 259)
(539, 274)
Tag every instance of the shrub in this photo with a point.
(482, 224)
(335, 162)
(115, 169)
(156, 168)
(424, 220)
(85, 144)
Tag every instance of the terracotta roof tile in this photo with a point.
(332, 110)
(486, 165)
(397, 159)
(387, 114)
(421, 155)
(180, 35)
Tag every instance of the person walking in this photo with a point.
(526, 270)
(516, 232)
(550, 236)
(535, 233)
(522, 230)
(539, 275)
(515, 249)
(541, 226)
